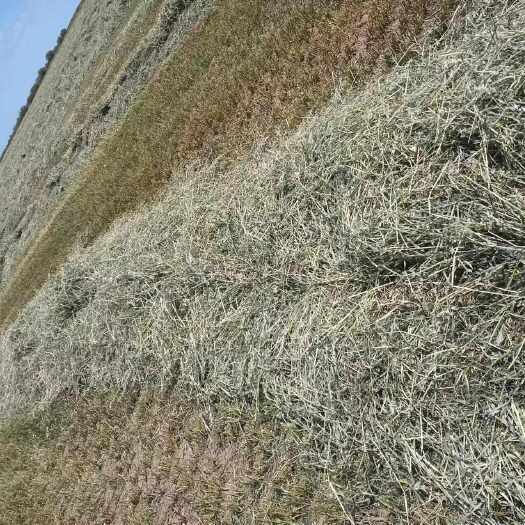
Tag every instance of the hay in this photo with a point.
(361, 284)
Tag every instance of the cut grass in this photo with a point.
(152, 459)
(249, 69)
(134, 28)
(355, 292)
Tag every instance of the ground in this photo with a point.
(322, 326)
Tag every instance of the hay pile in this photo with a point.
(361, 285)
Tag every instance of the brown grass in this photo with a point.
(251, 68)
(155, 460)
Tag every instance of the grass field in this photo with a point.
(249, 70)
(327, 330)
(111, 65)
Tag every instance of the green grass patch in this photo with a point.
(28, 458)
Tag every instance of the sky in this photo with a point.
(28, 29)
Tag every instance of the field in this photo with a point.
(314, 311)
(250, 70)
(107, 58)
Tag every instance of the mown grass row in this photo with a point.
(251, 68)
(124, 43)
(338, 321)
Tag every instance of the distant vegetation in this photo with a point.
(32, 93)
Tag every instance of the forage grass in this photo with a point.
(355, 292)
(249, 69)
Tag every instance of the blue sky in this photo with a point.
(28, 29)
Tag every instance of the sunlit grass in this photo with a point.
(252, 68)
(329, 330)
